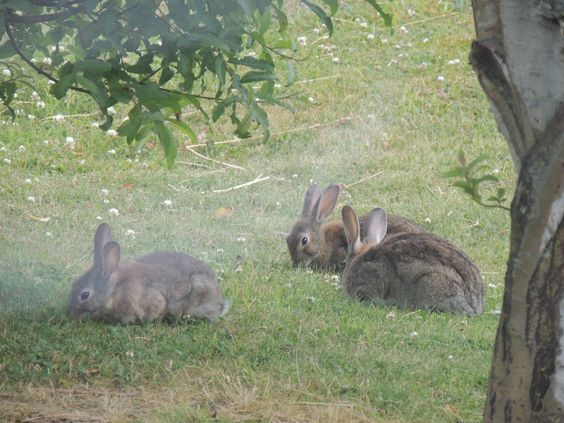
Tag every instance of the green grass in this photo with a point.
(292, 348)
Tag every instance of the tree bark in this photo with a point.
(519, 60)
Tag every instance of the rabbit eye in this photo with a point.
(84, 295)
(304, 240)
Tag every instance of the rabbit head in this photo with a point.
(375, 228)
(306, 241)
(90, 291)
(417, 270)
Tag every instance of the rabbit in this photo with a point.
(324, 245)
(411, 270)
(145, 288)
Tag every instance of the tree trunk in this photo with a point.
(519, 60)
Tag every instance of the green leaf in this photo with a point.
(166, 75)
(184, 128)
(386, 16)
(168, 142)
(292, 71)
(262, 118)
(219, 109)
(321, 14)
(93, 66)
(254, 63)
(255, 76)
(59, 89)
(333, 4)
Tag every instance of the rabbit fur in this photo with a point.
(411, 270)
(324, 245)
(145, 288)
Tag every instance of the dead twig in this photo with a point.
(287, 131)
(232, 166)
(363, 179)
(246, 184)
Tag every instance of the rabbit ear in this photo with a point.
(376, 226)
(352, 229)
(110, 258)
(102, 237)
(312, 196)
(326, 203)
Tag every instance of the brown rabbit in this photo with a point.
(324, 245)
(149, 287)
(412, 270)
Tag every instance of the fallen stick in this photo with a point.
(363, 179)
(189, 148)
(246, 184)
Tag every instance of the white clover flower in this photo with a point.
(384, 40)
(310, 299)
(336, 60)
(302, 41)
(20, 149)
(6, 72)
(99, 218)
(219, 250)
(112, 132)
(413, 334)
(46, 142)
(166, 203)
(441, 78)
(335, 277)
(82, 161)
(425, 40)
(59, 118)
(454, 62)
(3, 148)
(30, 116)
(111, 110)
(114, 212)
(34, 94)
(410, 12)
(69, 141)
(48, 234)
(31, 199)
(130, 232)
(95, 125)
(7, 161)
(491, 285)
(104, 191)
(391, 315)
(51, 82)
(288, 285)
(311, 100)
(364, 24)
(451, 357)
(316, 30)
(106, 201)
(27, 181)
(241, 239)
(403, 30)
(370, 36)
(130, 354)
(112, 151)
(40, 104)
(495, 312)
(294, 176)
(47, 61)
(428, 219)
(496, 171)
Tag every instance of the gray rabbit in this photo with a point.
(145, 288)
(412, 270)
(324, 245)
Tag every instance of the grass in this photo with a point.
(292, 348)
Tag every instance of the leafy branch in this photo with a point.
(471, 179)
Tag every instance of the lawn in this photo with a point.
(385, 115)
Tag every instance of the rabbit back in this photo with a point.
(416, 270)
(165, 283)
